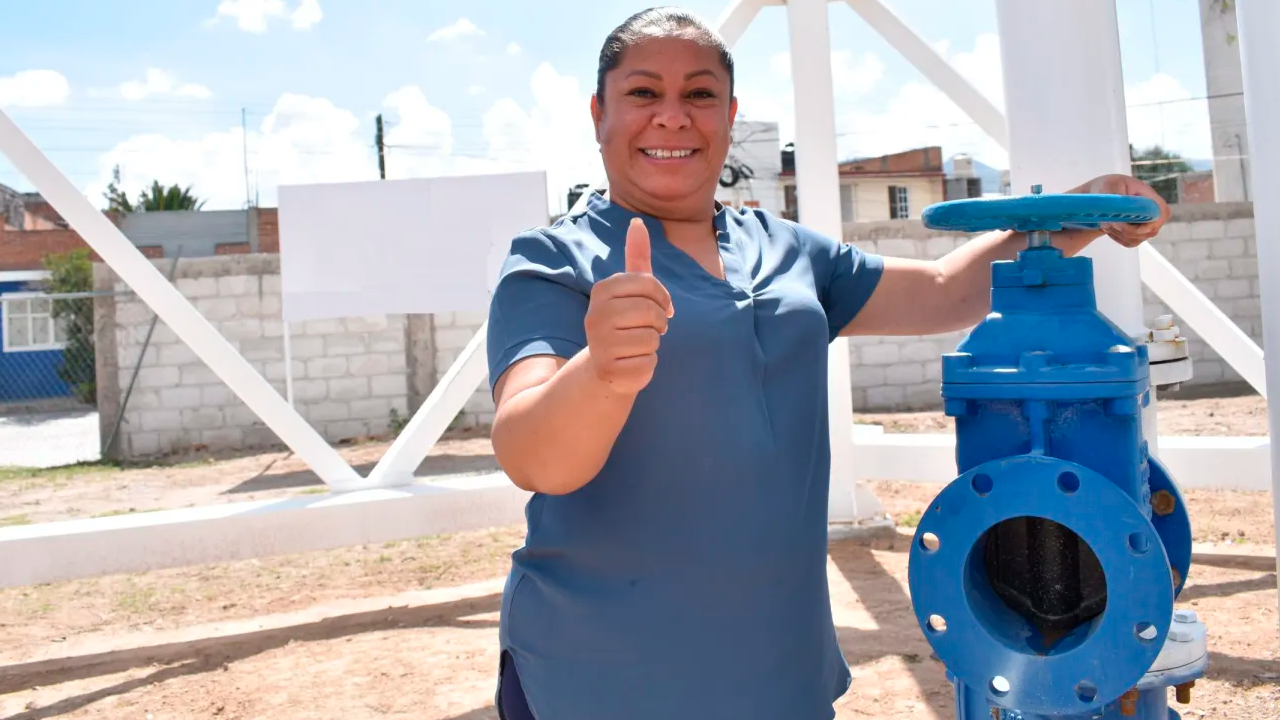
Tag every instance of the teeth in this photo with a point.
(668, 153)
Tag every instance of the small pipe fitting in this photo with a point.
(1129, 703)
(1183, 692)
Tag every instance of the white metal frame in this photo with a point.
(384, 506)
(1259, 21)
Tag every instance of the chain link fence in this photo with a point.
(48, 388)
(48, 354)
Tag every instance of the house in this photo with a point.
(889, 187)
(31, 342)
(34, 361)
(753, 168)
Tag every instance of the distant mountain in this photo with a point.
(990, 176)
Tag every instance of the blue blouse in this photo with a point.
(688, 578)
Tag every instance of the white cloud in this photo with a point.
(309, 140)
(461, 28)
(513, 49)
(555, 134)
(304, 139)
(475, 90)
(920, 114)
(848, 76)
(159, 82)
(307, 14)
(33, 88)
(251, 15)
(254, 15)
(852, 78)
(916, 115)
(1156, 117)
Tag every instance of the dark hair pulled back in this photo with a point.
(665, 22)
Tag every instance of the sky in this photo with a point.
(236, 97)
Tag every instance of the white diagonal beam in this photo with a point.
(736, 18)
(1183, 298)
(934, 67)
(431, 420)
(1213, 326)
(176, 311)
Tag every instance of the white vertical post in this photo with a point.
(1259, 22)
(1066, 120)
(818, 186)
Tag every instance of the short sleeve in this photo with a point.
(844, 276)
(538, 306)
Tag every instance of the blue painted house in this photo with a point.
(31, 343)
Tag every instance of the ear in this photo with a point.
(733, 110)
(596, 115)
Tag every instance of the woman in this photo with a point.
(659, 365)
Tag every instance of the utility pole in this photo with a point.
(244, 142)
(382, 150)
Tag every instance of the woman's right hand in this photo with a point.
(626, 318)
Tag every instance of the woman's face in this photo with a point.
(664, 127)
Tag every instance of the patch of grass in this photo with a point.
(314, 490)
(138, 600)
(911, 519)
(8, 474)
(13, 520)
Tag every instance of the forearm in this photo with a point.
(554, 437)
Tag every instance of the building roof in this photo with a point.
(920, 162)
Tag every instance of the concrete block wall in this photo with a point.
(348, 374)
(1213, 245)
(351, 374)
(452, 333)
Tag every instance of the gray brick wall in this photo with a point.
(1213, 245)
(350, 374)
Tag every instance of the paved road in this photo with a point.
(49, 439)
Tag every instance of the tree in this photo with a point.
(73, 273)
(156, 198)
(1160, 169)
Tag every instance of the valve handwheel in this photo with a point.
(1039, 214)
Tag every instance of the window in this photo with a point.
(899, 206)
(846, 202)
(792, 210)
(29, 324)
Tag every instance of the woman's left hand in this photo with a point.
(1128, 234)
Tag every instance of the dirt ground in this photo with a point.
(204, 479)
(435, 660)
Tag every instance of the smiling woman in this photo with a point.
(659, 365)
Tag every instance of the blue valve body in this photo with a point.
(1046, 395)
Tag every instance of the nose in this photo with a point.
(671, 114)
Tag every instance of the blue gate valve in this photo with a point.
(1045, 575)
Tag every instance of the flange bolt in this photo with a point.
(1163, 502)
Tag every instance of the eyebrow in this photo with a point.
(689, 76)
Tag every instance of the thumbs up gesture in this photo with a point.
(627, 317)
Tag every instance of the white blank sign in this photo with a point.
(424, 245)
